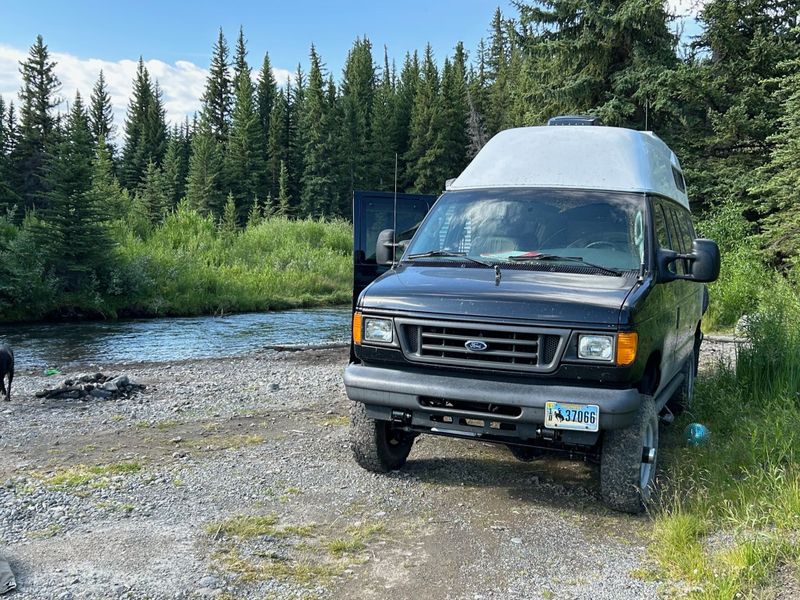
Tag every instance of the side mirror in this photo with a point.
(384, 247)
(386, 250)
(704, 262)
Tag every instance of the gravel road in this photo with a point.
(232, 478)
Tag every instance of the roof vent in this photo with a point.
(575, 120)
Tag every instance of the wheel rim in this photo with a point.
(646, 467)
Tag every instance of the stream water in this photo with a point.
(63, 344)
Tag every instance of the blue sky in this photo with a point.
(176, 38)
(172, 31)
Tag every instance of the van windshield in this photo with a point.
(521, 226)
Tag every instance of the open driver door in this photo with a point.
(373, 212)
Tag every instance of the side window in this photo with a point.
(680, 183)
(660, 220)
(379, 216)
(676, 232)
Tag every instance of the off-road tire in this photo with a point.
(621, 461)
(525, 453)
(376, 446)
(681, 400)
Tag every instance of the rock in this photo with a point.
(209, 581)
(110, 386)
(98, 393)
(274, 387)
(120, 381)
(516, 540)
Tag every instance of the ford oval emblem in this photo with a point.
(476, 345)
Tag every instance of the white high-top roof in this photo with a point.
(577, 157)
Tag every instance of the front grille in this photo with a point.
(506, 347)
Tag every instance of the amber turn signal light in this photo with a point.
(627, 343)
(357, 328)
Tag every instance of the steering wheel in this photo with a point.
(601, 244)
(615, 241)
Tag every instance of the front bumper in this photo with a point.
(386, 389)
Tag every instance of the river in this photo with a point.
(59, 345)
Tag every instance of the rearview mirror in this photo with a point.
(386, 250)
(704, 262)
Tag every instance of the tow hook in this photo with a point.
(401, 417)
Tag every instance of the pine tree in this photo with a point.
(358, 92)
(284, 206)
(498, 74)
(218, 96)
(780, 177)
(245, 171)
(278, 140)
(173, 169)
(205, 166)
(406, 94)
(145, 129)
(73, 235)
(38, 97)
(266, 97)
(726, 103)
(453, 132)
(255, 216)
(240, 59)
(228, 223)
(101, 113)
(424, 156)
(111, 199)
(383, 135)
(296, 144)
(8, 139)
(153, 193)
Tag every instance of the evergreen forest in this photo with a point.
(220, 211)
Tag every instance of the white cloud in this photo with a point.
(182, 83)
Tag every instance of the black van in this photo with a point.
(549, 300)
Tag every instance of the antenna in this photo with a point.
(646, 107)
(394, 214)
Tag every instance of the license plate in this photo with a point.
(562, 415)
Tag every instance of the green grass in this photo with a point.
(729, 514)
(94, 476)
(188, 266)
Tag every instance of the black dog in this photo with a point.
(6, 370)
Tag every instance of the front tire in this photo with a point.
(628, 461)
(375, 444)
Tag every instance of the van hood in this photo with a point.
(539, 296)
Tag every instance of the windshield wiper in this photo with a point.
(448, 253)
(555, 257)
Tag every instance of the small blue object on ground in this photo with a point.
(696, 434)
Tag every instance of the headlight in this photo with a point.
(378, 330)
(596, 347)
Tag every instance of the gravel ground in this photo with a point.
(232, 478)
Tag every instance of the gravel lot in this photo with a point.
(232, 478)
